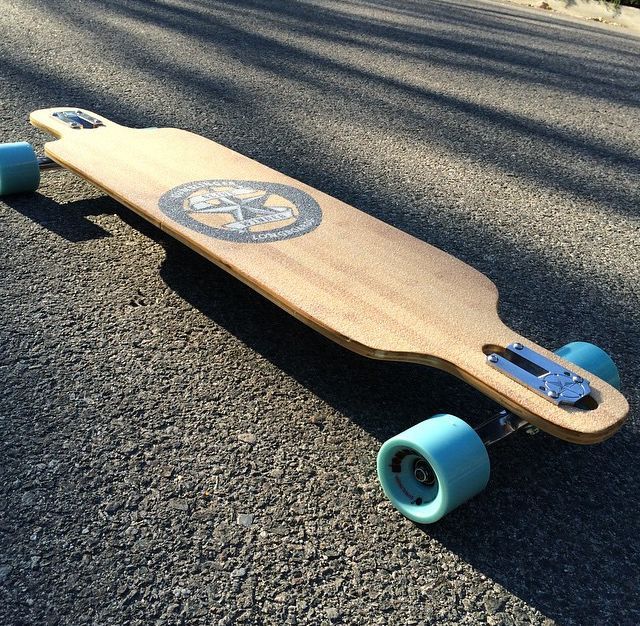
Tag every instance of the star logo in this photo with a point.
(242, 211)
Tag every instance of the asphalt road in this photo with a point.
(177, 450)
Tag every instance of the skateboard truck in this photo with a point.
(544, 376)
(45, 163)
(78, 119)
(502, 425)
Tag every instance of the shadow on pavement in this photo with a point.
(66, 220)
(558, 523)
(543, 528)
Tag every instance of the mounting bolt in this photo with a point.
(518, 346)
(492, 358)
(577, 379)
(553, 394)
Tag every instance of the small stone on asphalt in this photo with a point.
(239, 572)
(245, 519)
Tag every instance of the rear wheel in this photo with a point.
(19, 171)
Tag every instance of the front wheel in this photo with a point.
(430, 469)
(593, 359)
(19, 170)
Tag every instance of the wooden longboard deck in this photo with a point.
(365, 284)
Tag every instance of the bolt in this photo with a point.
(492, 358)
(577, 379)
(553, 394)
(518, 346)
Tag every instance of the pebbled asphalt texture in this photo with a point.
(177, 450)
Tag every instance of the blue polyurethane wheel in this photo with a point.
(592, 359)
(19, 171)
(430, 469)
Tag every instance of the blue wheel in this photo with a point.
(432, 468)
(592, 359)
(19, 171)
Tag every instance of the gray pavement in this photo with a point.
(177, 450)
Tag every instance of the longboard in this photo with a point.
(361, 282)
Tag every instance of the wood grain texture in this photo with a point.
(365, 284)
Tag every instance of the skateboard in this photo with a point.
(363, 283)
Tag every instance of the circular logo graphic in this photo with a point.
(245, 211)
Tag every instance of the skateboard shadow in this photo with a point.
(542, 529)
(69, 221)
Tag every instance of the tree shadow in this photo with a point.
(560, 160)
(558, 523)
